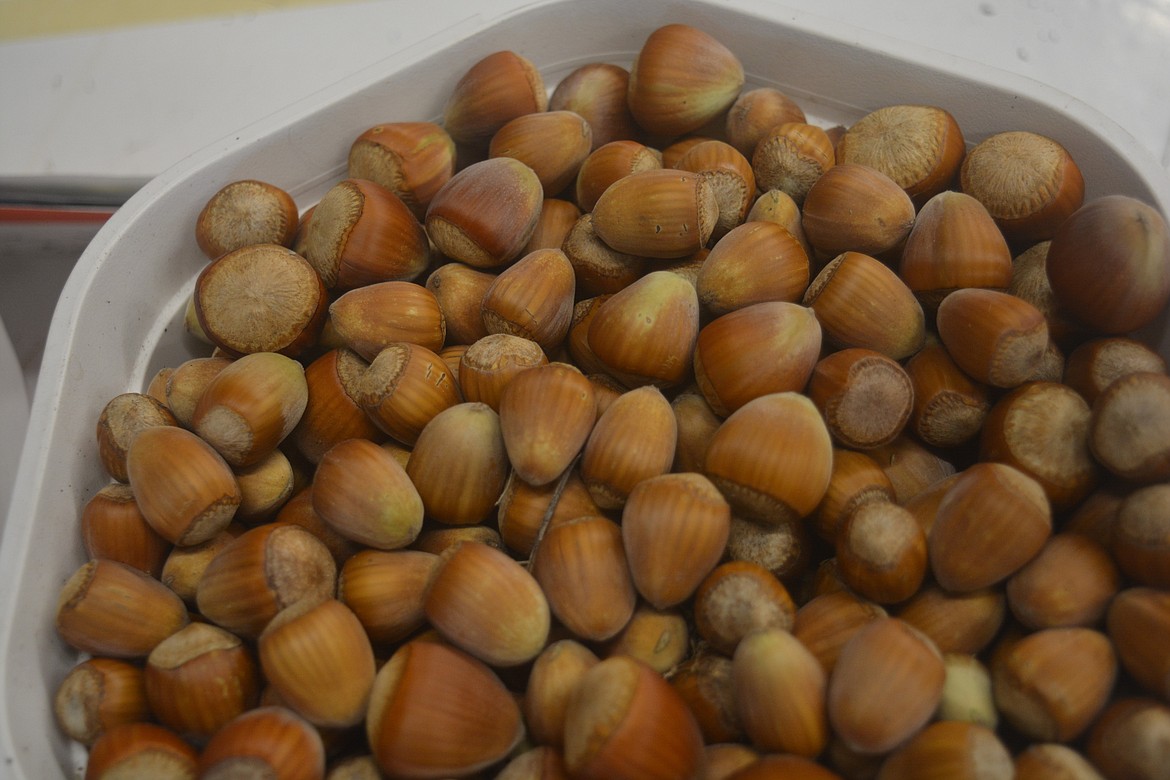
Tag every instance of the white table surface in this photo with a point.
(116, 106)
(131, 101)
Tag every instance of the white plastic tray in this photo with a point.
(13, 417)
(119, 316)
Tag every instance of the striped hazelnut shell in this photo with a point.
(473, 574)
(317, 657)
(681, 79)
(369, 318)
(259, 573)
(486, 213)
(185, 490)
(362, 233)
(785, 344)
(772, 458)
(436, 711)
(459, 464)
(251, 406)
(645, 334)
(411, 159)
(495, 89)
(552, 143)
(582, 568)
(861, 302)
(657, 213)
(110, 609)
(546, 415)
(675, 529)
(632, 441)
